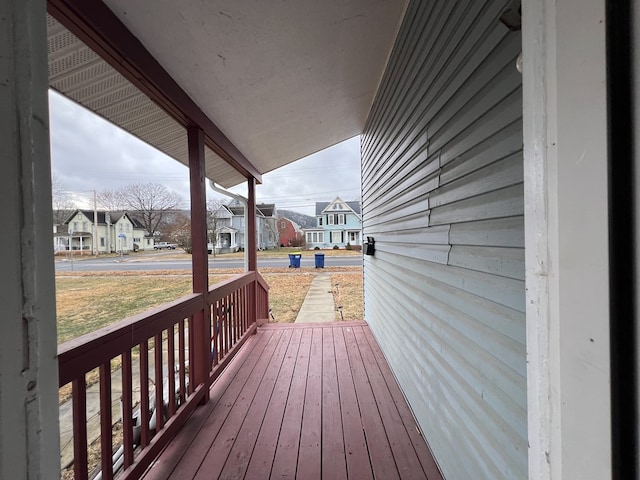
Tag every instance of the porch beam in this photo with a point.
(199, 259)
(100, 29)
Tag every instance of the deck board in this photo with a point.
(302, 402)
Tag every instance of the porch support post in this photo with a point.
(566, 239)
(251, 240)
(199, 259)
(251, 245)
(29, 437)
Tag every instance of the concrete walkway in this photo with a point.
(318, 306)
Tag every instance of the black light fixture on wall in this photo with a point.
(370, 246)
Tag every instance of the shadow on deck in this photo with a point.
(302, 401)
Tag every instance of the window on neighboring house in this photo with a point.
(76, 226)
(353, 237)
(148, 241)
(137, 240)
(127, 227)
(336, 237)
(330, 219)
(341, 219)
(319, 221)
(309, 237)
(102, 241)
(283, 225)
(320, 237)
(85, 226)
(120, 227)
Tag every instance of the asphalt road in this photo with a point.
(156, 262)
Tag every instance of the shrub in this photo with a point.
(348, 247)
(336, 247)
(316, 248)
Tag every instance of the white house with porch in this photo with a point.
(113, 232)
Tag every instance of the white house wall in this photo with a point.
(443, 198)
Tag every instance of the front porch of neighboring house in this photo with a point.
(227, 240)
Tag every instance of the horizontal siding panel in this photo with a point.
(415, 72)
(501, 174)
(440, 70)
(431, 235)
(501, 232)
(429, 253)
(442, 195)
(508, 262)
(507, 202)
(470, 386)
(418, 208)
(417, 35)
(406, 190)
(484, 151)
(410, 222)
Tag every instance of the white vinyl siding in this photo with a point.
(442, 189)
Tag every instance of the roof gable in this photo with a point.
(337, 205)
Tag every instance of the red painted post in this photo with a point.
(252, 245)
(251, 242)
(199, 258)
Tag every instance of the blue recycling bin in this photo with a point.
(294, 260)
(319, 260)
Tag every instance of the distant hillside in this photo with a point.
(305, 221)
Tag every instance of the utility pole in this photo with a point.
(95, 224)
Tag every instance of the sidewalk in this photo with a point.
(318, 306)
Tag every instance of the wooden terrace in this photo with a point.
(301, 401)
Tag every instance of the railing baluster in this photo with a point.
(171, 369)
(228, 327)
(127, 408)
(181, 360)
(106, 434)
(234, 314)
(79, 399)
(159, 382)
(192, 344)
(144, 393)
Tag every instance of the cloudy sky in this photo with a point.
(88, 153)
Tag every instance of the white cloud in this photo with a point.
(89, 153)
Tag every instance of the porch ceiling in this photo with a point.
(281, 80)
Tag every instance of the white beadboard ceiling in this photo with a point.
(281, 79)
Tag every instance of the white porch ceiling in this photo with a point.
(281, 79)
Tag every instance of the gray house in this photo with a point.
(499, 197)
(229, 226)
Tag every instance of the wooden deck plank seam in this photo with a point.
(227, 433)
(264, 452)
(262, 396)
(218, 415)
(420, 444)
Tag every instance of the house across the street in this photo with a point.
(114, 231)
(339, 223)
(228, 228)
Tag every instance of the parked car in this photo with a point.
(165, 245)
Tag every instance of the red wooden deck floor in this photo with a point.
(302, 401)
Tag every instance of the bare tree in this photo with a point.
(213, 222)
(150, 202)
(61, 201)
(111, 200)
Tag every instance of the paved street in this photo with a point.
(154, 261)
